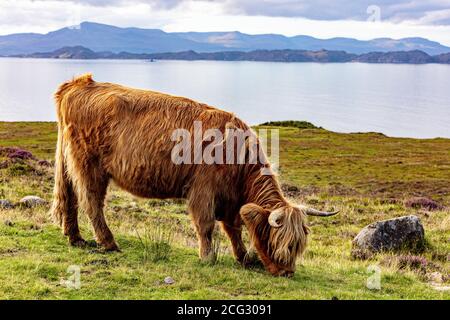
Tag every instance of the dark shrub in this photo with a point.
(19, 169)
(412, 262)
(4, 164)
(21, 154)
(291, 123)
(16, 153)
(422, 203)
(44, 163)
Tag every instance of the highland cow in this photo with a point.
(107, 132)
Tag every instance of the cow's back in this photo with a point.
(128, 133)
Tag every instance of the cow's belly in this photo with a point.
(161, 181)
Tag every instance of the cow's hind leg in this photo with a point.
(70, 220)
(65, 208)
(92, 184)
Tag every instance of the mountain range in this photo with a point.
(102, 37)
(286, 55)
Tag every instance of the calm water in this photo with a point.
(398, 100)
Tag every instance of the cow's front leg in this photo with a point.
(234, 231)
(204, 223)
(201, 207)
(205, 229)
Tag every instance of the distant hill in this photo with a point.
(261, 55)
(411, 57)
(101, 38)
(79, 52)
(442, 58)
(414, 57)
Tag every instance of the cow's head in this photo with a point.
(280, 235)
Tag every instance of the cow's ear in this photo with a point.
(253, 215)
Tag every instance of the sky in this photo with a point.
(358, 19)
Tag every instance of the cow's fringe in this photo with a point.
(287, 242)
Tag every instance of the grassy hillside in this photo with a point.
(367, 176)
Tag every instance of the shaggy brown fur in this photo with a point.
(110, 132)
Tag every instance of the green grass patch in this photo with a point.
(291, 124)
(367, 176)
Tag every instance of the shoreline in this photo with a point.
(374, 133)
(212, 60)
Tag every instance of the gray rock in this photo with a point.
(169, 280)
(389, 235)
(32, 201)
(6, 204)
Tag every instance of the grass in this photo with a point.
(367, 176)
(156, 244)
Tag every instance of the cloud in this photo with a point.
(320, 18)
(397, 11)
(415, 11)
(156, 4)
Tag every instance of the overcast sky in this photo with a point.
(359, 19)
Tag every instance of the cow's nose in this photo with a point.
(286, 273)
(289, 274)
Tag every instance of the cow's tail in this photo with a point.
(64, 198)
(63, 188)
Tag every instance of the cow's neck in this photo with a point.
(264, 190)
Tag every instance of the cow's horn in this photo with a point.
(274, 218)
(317, 213)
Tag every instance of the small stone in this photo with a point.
(32, 201)
(435, 277)
(8, 223)
(389, 235)
(6, 204)
(169, 280)
(440, 287)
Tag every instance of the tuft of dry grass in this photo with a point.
(156, 243)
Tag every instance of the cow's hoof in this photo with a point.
(110, 247)
(251, 260)
(79, 243)
(284, 273)
(209, 258)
